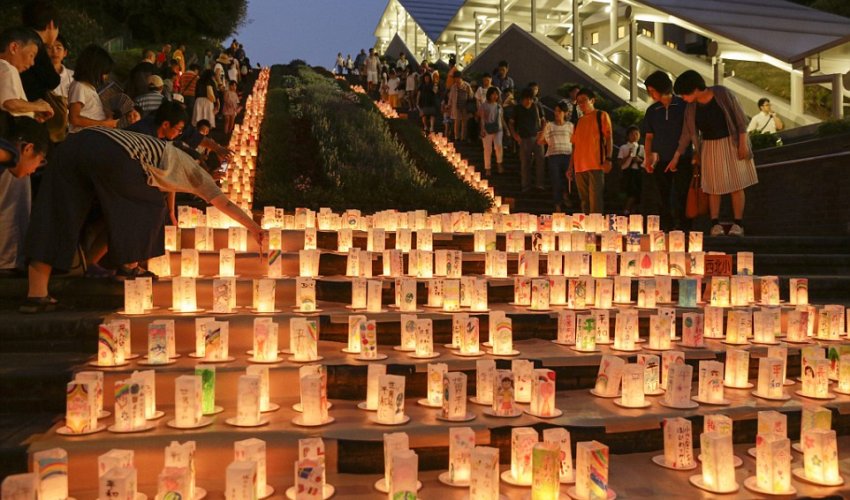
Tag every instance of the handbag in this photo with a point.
(57, 125)
(697, 201)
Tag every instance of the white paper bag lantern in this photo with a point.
(540, 295)
(436, 374)
(773, 463)
(51, 470)
(523, 440)
(374, 372)
(248, 400)
(523, 370)
(454, 396)
(816, 379)
(129, 406)
(720, 291)
(484, 477)
(591, 470)
(451, 295)
(188, 394)
(651, 373)
(308, 263)
(543, 394)
(118, 483)
(769, 290)
(504, 394)
(110, 349)
(134, 302)
(718, 470)
(798, 291)
(408, 332)
(659, 332)
(189, 263)
(622, 289)
(678, 443)
(713, 322)
(633, 386)
(737, 369)
(820, 456)
(424, 338)
(147, 381)
(265, 295)
(303, 339)
(265, 340)
(313, 403)
(692, 330)
(391, 399)
(710, 389)
(241, 480)
(172, 238)
(609, 376)
(679, 380)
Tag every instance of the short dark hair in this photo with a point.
(38, 14)
(203, 123)
(632, 128)
(688, 82)
(502, 64)
(563, 105)
(587, 92)
(533, 84)
(660, 81)
(21, 35)
(526, 94)
(491, 91)
(23, 129)
(94, 62)
(763, 101)
(171, 112)
(61, 39)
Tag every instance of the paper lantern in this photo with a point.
(478, 295)
(391, 400)
(678, 264)
(815, 377)
(393, 263)
(424, 240)
(345, 238)
(147, 382)
(567, 328)
(436, 374)
(110, 351)
(224, 295)
(248, 400)
(741, 290)
(313, 403)
(659, 332)
(739, 326)
(118, 483)
(403, 240)
(451, 295)
(622, 289)
(404, 480)
(241, 480)
(312, 451)
(820, 457)
(50, 468)
(769, 290)
(454, 396)
(265, 342)
(303, 339)
(407, 294)
(522, 291)
(651, 373)
(763, 329)
(543, 394)
(555, 263)
(263, 373)
(182, 456)
(184, 298)
(591, 470)
(373, 375)
(608, 377)
(633, 386)
(216, 341)
(798, 291)
(557, 290)
(496, 264)
(773, 464)
(160, 266)
(679, 380)
(797, 326)
(545, 480)
(720, 293)
(172, 238)
(696, 263)
(718, 469)
(710, 389)
(523, 440)
(129, 407)
(523, 370)
(393, 443)
(737, 369)
(646, 293)
(560, 437)
(484, 476)
(603, 325)
(504, 394)
(189, 263)
(308, 263)
(469, 337)
(585, 333)
(408, 332)
(695, 241)
(174, 482)
(713, 322)
(692, 330)
(354, 342)
(207, 374)
(540, 295)
(771, 378)
(424, 338)
(678, 443)
(237, 238)
(114, 459)
(134, 302)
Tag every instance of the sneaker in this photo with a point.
(717, 230)
(736, 230)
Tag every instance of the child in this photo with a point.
(231, 106)
(410, 87)
(631, 158)
(393, 84)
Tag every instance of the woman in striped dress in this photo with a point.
(131, 176)
(715, 124)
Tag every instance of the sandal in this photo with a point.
(96, 271)
(134, 272)
(33, 305)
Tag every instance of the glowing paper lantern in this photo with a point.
(110, 352)
(718, 469)
(659, 332)
(118, 483)
(451, 295)
(408, 332)
(485, 372)
(391, 400)
(585, 333)
(241, 480)
(545, 481)
(591, 470)
(798, 291)
(81, 411)
(820, 456)
(265, 340)
(771, 378)
(313, 403)
(651, 373)
(523, 440)
(51, 470)
(543, 394)
(692, 330)
(129, 406)
(710, 389)
(720, 293)
(404, 479)
(713, 322)
(216, 340)
(523, 370)
(308, 263)
(424, 338)
(737, 369)
(248, 400)
(678, 443)
(773, 463)
(182, 456)
(484, 477)
(815, 379)
(739, 326)
(134, 302)
(373, 375)
(303, 339)
(454, 396)
(436, 374)
(609, 376)
(504, 394)
(679, 380)
(633, 386)
(622, 289)
(646, 293)
(769, 290)
(502, 337)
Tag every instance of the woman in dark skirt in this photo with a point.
(130, 175)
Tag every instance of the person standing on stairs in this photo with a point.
(717, 127)
(557, 136)
(526, 126)
(592, 153)
(491, 117)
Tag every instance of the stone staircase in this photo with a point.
(40, 353)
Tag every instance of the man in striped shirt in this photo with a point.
(152, 99)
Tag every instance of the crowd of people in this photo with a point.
(116, 153)
(690, 129)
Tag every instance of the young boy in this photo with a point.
(631, 158)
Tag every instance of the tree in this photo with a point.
(177, 20)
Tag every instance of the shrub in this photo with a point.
(832, 127)
(764, 140)
(627, 116)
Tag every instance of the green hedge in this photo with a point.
(321, 147)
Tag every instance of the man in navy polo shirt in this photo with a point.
(662, 126)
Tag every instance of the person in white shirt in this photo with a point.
(765, 121)
(393, 85)
(410, 87)
(58, 51)
(481, 91)
(85, 108)
(402, 63)
(631, 159)
(557, 136)
(372, 63)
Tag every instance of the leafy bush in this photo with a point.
(627, 116)
(323, 148)
(764, 140)
(832, 127)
